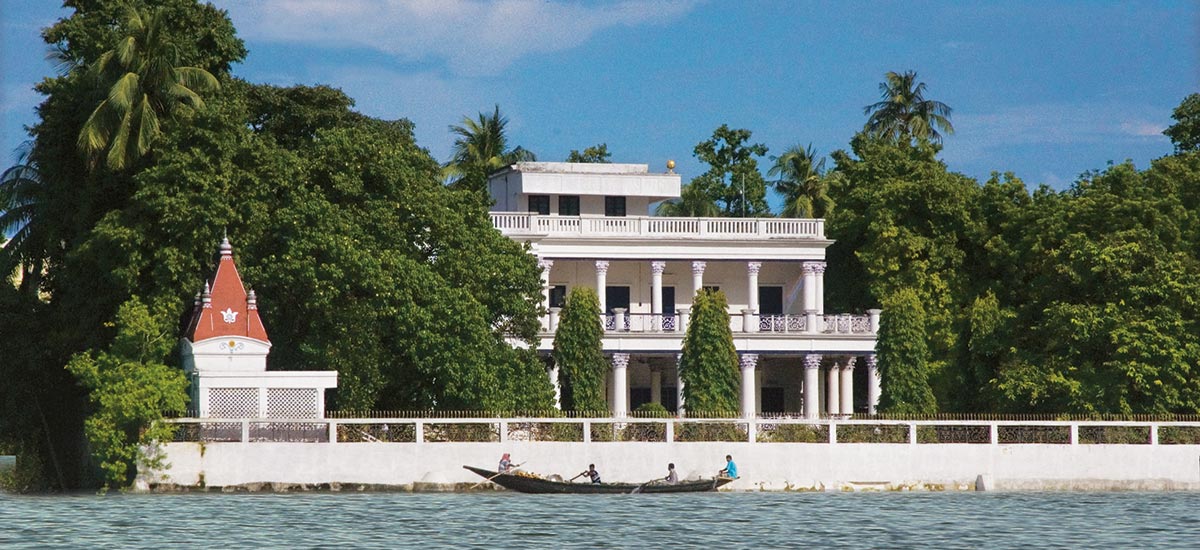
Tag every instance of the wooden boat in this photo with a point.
(528, 483)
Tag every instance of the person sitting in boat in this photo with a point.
(730, 469)
(672, 478)
(592, 473)
(505, 464)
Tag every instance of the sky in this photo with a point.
(1046, 90)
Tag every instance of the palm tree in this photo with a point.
(802, 182)
(904, 113)
(692, 203)
(21, 215)
(146, 87)
(480, 148)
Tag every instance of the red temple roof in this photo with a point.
(225, 308)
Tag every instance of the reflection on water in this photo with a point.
(508, 520)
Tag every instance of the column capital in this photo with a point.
(872, 361)
(748, 361)
(753, 267)
(657, 267)
(602, 266)
(698, 267)
(849, 363)
(809, 267)
(545, 264)
(812, 361)
(620, 360)
(819, 267)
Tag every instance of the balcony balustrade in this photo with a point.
(672, 323)
(524, 223)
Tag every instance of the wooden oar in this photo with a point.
(639, 488)
(494, 476)
(576, 477)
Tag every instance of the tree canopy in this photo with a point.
(578, 352)
(596, 153)
(480, 148)
(903, 113)
(732, 180)
(709, 363)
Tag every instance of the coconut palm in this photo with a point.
(692, 203)
(480, 148)
(802, 182)
(904, 113)
(21, 216)
(146, 87)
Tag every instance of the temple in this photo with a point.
(224, 352)
(586, 225)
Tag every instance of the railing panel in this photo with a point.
(715, 228)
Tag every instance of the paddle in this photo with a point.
(576, 477)
(639, 488)
(494, 476)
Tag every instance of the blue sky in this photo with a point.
(1043, 89)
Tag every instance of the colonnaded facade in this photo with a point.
(584, 223)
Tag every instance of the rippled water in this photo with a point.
(508, 520)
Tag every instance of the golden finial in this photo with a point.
(670, 167)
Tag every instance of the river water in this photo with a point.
(508, 520)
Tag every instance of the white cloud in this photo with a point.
(471, 37)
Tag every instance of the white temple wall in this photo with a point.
(775, 466)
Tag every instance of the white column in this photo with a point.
(679, 384)
(820, 272)
(554, 313)
(749, 362)
(751, 323)
(545, 266)
(681, 321)
(698, 276)
(873, 383)
(553, 372)
(831, 385)
(601, 285)
(810, 298)
(656, 295)
(656, 385)
(620, 391)
(847, 386)
(812, 372)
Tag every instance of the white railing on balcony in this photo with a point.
(623, 321)
(524, 223)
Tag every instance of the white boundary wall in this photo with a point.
(762, 466)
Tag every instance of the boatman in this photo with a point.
(505, 464)
(730, 469)
(592, 473)
(672, 478)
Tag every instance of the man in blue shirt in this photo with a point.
(730, 468)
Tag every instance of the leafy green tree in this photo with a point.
(1185, 133)
(802, 183)
(903, 113)
(904, 357)
(596, 153)
(732, 180)
(692, 203)
(579, 353)
(131, 390)
(709, 365)
(146, 83)
(480, 148)
(905, 222)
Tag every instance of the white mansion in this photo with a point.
(584, 224)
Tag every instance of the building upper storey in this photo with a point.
(583, 210)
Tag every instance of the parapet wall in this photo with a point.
(763, 465)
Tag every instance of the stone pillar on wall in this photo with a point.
(812, 372)
(553, 372)
(749, 362)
